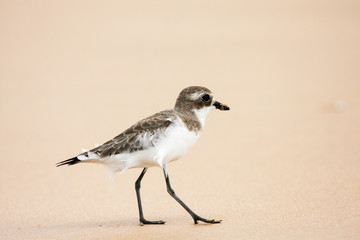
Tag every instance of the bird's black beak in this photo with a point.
(220, 106)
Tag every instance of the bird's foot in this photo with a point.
(213, 221)
(143, 221)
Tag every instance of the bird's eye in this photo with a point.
(205, 98)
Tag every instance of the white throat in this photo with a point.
(202, 113)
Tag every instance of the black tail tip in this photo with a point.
(68, 162)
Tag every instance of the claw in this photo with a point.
(142, 222)
(213, 221)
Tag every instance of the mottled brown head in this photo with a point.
(196, 97)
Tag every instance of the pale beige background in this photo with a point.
(284, 163)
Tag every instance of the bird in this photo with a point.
(157, 141)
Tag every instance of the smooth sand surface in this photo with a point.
(284, 163)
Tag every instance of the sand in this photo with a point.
(282, 164)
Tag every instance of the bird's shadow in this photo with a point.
(95, 224)
(129, 223)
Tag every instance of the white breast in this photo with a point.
(172, 144)
(175, 143)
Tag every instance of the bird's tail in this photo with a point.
(69, 162)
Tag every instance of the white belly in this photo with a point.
(176, 142)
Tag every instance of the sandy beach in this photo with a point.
(283, 163)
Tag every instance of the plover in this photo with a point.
(156, 141)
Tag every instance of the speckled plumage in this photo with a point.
(143, 144)
(156, 141)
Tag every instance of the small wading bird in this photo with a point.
(156, 141)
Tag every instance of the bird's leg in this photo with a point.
(172, 193)
(137, 189)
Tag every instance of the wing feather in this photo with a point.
(138, 137)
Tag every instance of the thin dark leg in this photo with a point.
(193, 215)
(137, 189)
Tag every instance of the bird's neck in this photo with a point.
(201, 114)
(194, 119)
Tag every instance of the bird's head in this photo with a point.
(199, 100)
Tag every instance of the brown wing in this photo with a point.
(138, 137)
